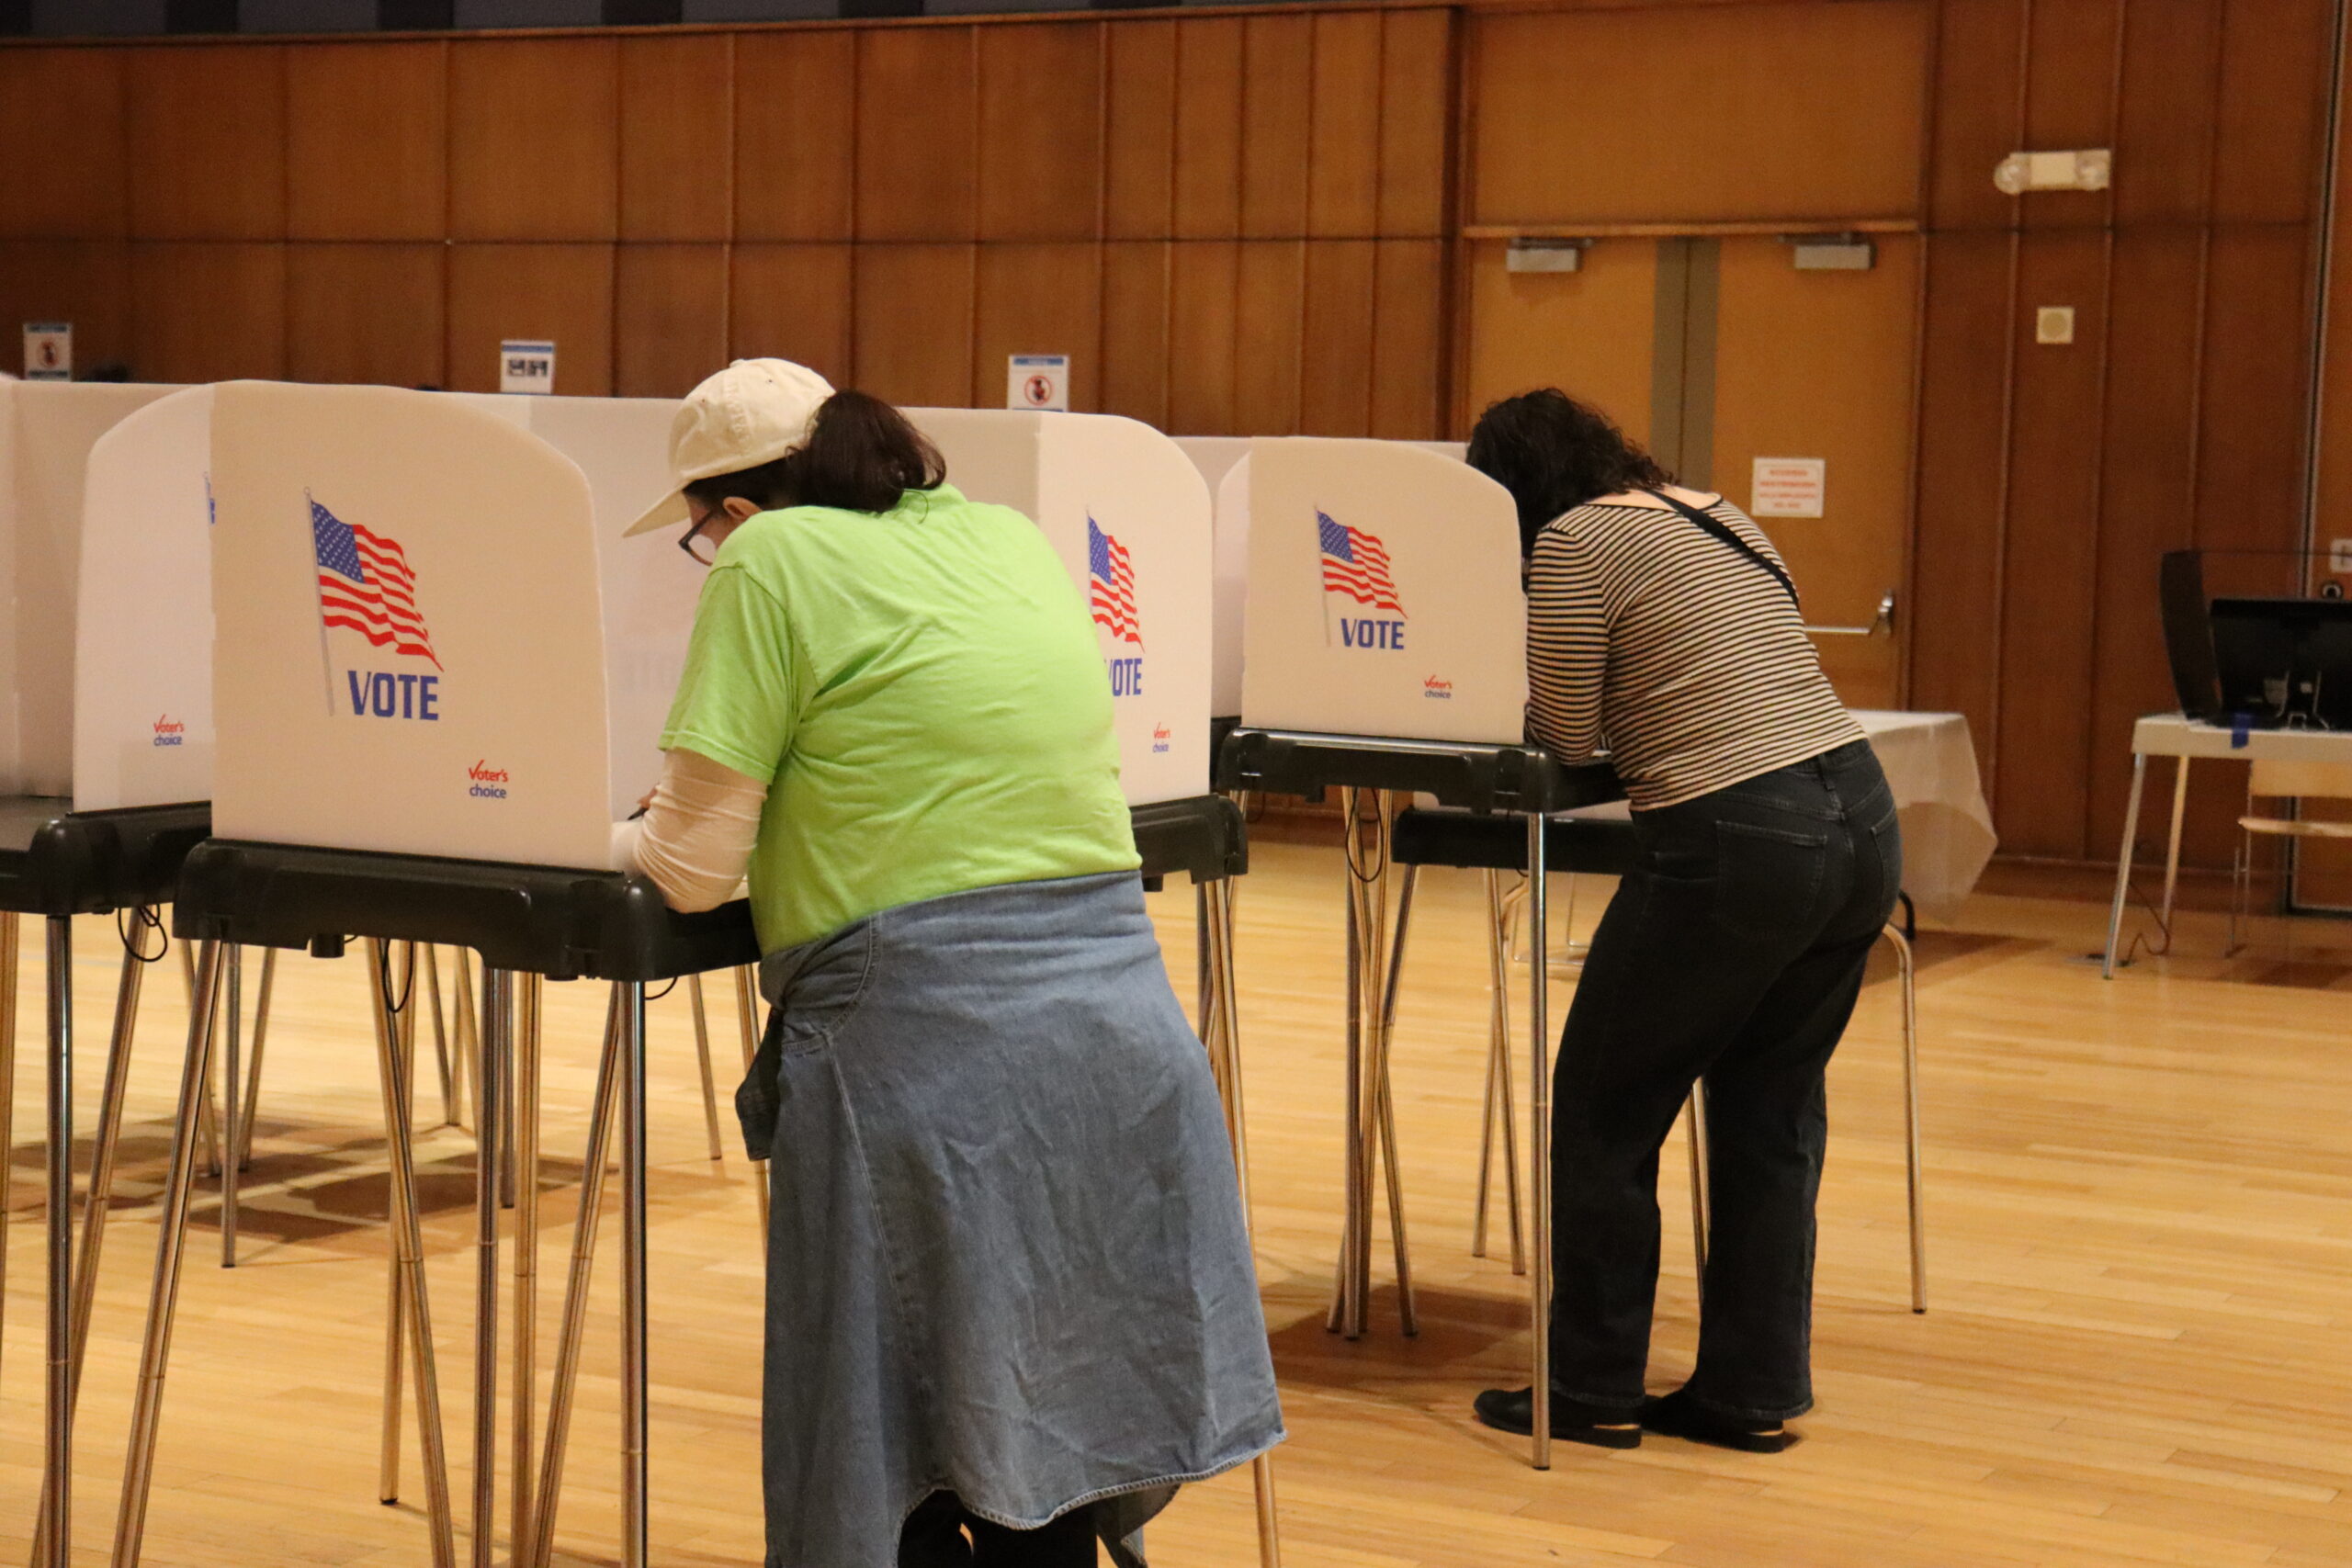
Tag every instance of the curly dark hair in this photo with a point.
(862, 456)
(1554, 453)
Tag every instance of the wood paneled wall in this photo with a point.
(900, 206)
(2053, 477)
(1675, 114)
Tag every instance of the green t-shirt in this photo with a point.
(922, 691)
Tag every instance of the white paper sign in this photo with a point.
(1038, 382)
(1788, 487)
(527, 366)
(49, 351)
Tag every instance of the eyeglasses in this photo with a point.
(693, 537)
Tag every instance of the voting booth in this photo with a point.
(1384, 594)
(411, 744)
(1223, 462)
(1383, 652)
(1129, 516)
(74, 838)
(47, 430)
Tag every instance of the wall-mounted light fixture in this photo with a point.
(2088, 169)
(1529, 254)
(1830, 253)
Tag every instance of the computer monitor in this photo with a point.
(2189, 634)
(2285, 662)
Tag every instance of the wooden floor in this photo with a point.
(2140, 1349)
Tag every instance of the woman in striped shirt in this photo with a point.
(1663, 628)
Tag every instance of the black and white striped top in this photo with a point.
(1686, 660)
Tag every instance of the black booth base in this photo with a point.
(558, 922)
(1601, 846)
(1200, 836)
(1479, 776)
(57, 861)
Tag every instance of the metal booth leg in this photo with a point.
(2123, 862)
(399, 959)
(253, 1072)
(1385, 1100)
(57, 1402)
(95, 1207)
(233, 1105)
(1369, 1113)
(465, 1038)
(1539, 1140)
(208, 1129)
(620, 1076)
(1221, 1028)
(1346, 1316)
(527, 1253)
(8, 938)
(573, 1333)
(1916, 1177)
(1500, 1107)
(633, 1368)
(164, 1294)
(702, 1061)
(401, 1039)
(440, 1036)
(396, 1073)
(490, 1120)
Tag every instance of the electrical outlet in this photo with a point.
(2055, 324)
(2339, 556)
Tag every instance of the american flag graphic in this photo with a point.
(1355, 564)
(366, 586)
(1111, 585)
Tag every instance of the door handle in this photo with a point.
(1882, 622)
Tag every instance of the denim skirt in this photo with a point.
(1006, 1253)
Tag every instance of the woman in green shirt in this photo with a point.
(1009, 1293)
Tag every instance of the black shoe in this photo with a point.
(1677, 1415)
(1573, 1421)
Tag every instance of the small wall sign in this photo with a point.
(49, 351)
(1788, 487)
(1037, 382)
(528, 365)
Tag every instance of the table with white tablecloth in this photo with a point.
(1930, 764)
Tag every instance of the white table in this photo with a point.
(2173, 735)
(1930, 766)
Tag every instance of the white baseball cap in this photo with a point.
(754, 411)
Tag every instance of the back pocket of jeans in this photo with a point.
(1885, 841)
(1769, 878)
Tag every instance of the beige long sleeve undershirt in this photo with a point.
(694, 840)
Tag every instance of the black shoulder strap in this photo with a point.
(1716, 525)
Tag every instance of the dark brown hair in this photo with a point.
(1554, 453)
(862, 456)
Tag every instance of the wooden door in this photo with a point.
(1820, 365)
(1588, 333)
(1750, 358)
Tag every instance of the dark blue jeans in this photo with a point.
(1732, 952)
